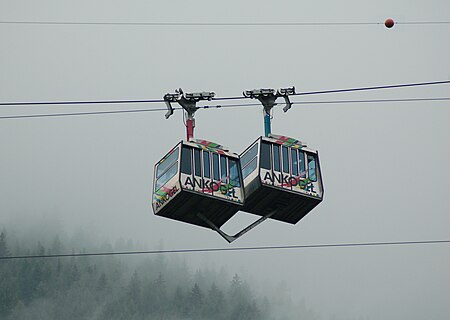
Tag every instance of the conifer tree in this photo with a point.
(215, 302)
(196, 301)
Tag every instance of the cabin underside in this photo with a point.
(290, 206)
(186, 206)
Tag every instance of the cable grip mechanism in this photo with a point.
(268, 98)
(188, 101)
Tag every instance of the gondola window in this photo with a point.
(186, 164)
(266, 156)
(312, 168)
(206, 164)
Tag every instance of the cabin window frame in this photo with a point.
(169, 161)
(276, 158)
(197, 162)
(301, 164)
(183, 168)
(223, 159)
(249, 168)
(216, 167)
(166, 176)
(250, 158)
(206, 164)
(265, 160)
(169, 172)
(314, 158)
(234, 180)
(294, 162)
(285, 159)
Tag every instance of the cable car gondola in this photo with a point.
(203, 183)
(197, 182)
(281, 174)
(282, 177)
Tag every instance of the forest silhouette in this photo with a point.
(111, 287)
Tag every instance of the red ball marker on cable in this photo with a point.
(389, 23)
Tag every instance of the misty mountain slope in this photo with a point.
(119, 288)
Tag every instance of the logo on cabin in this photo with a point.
(163, 195)
(210, 186)
(288, 181)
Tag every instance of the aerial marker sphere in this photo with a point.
(389, 23)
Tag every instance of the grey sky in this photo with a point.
(385, 166)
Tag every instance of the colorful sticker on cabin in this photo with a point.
(286, 141)
(209, 146)
(227, 189)
(163, 195)
(296, 183)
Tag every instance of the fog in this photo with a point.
(385, 165)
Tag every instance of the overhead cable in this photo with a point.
(309, 246)
(46, 115)
(79, 102)
(79, 113)
(335, 102)
(394, 86)
(216, 24)
(372, 101)
(404, 85)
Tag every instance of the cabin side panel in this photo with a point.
(290, 168)
(166, 183)
(211, 173)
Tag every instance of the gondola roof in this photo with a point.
(210, 146)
